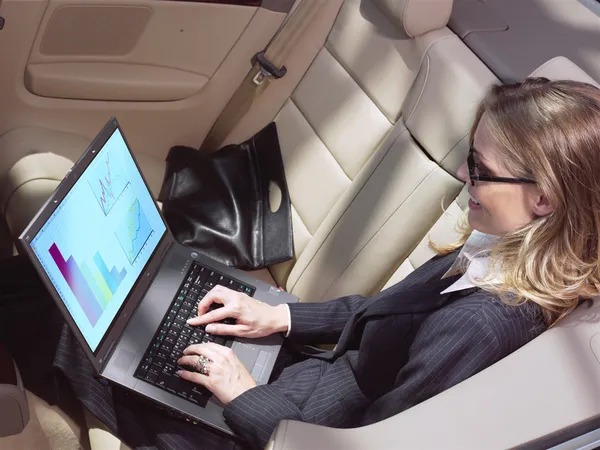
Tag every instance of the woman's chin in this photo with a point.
(474, 219)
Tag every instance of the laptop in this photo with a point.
(126, 287)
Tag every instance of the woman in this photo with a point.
(535, 205)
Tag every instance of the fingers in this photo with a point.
(188, 360)
(195, 377)
(213, 316)
(222, 329)
(218, 294)
(211, 350)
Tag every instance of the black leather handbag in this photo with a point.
(218, 203)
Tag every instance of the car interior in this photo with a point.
(373, 117)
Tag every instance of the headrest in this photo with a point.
(417, 17)
(561, 68)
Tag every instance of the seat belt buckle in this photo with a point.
(267, 69)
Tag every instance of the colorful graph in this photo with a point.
(134, 232)
(108, 185)
(93, 288)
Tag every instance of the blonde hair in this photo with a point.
(548, 131)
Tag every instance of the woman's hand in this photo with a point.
(254, 319)
(227, 376)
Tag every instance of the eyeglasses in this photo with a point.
(475, 176)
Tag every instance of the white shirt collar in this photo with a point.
(474, 261)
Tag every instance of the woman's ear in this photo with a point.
(542, 206)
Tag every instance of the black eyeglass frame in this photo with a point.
(472, 164)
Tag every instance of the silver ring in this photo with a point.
(203, 365)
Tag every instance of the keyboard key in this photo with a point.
(186, 331)
(155, 369)
(179, 347)
(219, 340)
(184, 388)
(167, 347)
(151, 377)
(197, 333)
(173, 384)
(201, 277)
(229, 343)
(200, 390)
(178, 324)
(160, 362)
(170, 339)
(169, 369)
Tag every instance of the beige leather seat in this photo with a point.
(547, 386)
(373, 120)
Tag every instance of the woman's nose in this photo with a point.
(463, 172)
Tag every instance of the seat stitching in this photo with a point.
(467, 134)
(379, 230)
(404, 8)
(347, 208)
(361, 85)
(428, 64)
(427, 59)
(320, 138)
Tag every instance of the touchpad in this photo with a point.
(246, 354)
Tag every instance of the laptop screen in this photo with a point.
(98, 240)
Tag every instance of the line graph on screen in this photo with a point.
(108, 184)
(134, 231)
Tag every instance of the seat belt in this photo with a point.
(268, 65)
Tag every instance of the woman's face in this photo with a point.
(498, 208)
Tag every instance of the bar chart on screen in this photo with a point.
(92, 283)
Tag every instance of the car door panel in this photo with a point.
(165, 69)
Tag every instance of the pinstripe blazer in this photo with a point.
(395, 350)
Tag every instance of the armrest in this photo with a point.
(14, 411)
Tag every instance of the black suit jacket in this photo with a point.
(394, 350)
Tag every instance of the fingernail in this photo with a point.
(210, 328)
(190, 320)
(179, 372)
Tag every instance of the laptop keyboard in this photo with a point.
(159, 364)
